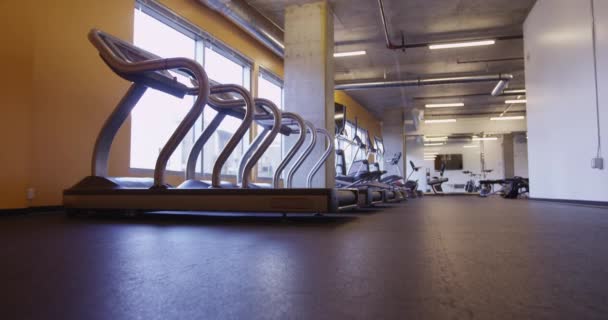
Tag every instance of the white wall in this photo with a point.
(561, 99)
(470, 158)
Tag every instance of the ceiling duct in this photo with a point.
(252, 21)
(417, 116)
(500, 88)
(424, 82)
(403, 45)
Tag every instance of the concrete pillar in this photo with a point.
(394, 139)
(309, 78)
(508, 157)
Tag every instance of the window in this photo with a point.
(223, 70)
(157, 115)
(380, 152)
(271, 88)
(362, 155)
(350, 147)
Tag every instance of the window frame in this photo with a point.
(202, 40)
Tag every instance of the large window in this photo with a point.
(271, 88)
(362, 155)
(157, 115)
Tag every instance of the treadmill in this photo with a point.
(100, 193)
(360, 177)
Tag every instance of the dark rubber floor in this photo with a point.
(431, 258)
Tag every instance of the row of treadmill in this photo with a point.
(101, 193)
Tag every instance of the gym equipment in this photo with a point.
(472, 186)
(394, 161)
(412, 185)
(144, 70)
(356, 178)
(360, 176)
(436, 182)
(515, 187)
(511, 188)
(357, 175)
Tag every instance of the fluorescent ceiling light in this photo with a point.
(471, 146)
(430, 154)
(435, 138)
(440, 121)
(484, 139)
(515, 91)
(507, 118)
(349, 54)
(433, 144)
(517, 101)
(461, 44)
(444, 105)
(429, 159)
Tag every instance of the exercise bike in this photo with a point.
(472, 186)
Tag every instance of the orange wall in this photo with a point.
(15, 108)
(365, 119)
(60, 92)
(355, 110)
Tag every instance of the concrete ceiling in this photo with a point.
(358, 26)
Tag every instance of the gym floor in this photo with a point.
(430, 258)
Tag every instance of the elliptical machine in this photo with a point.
(412, 185)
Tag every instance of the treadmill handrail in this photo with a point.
(311, 145)
(219, 105)
(323, 159)
(237, 136)
(261, 149)
(276, 181)
(121, 112)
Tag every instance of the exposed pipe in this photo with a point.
(423, 82)
(489, 60)
(403, 45)
(500, 87)
(252, 21)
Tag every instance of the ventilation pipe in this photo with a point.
(500, 87)
(424, 82)
(252, 21)
(403, 45)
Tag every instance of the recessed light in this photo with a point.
(349, 54)
(440, 121)
(507, 118)
(444, 105)
(461, 44)
(432, 139)
(514, 91)
(516, 101)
